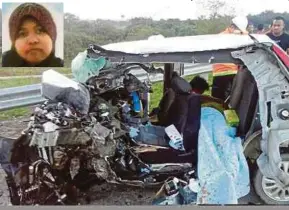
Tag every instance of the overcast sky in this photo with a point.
(182, 9)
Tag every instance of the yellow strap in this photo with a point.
(217, 74)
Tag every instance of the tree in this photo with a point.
(216, 8)
(80, 33)
(266, 18)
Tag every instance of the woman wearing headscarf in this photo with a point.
(33, 34)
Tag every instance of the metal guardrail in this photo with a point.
(31, 94)
(20, 96)
(26, 76)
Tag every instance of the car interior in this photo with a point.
(181, 108)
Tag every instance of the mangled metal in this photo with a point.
(177, 192)
(82, 131)
(272, 84)
(98, 129)
(59, 88)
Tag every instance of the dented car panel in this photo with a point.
(186, 44)
(272, 84)
(84, 127)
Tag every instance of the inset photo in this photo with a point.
(32, 34)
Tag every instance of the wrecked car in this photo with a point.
(90, 133)
(259, 95)
(97, 128)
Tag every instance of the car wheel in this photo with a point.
(268, 190)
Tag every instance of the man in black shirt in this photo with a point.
(278, 35)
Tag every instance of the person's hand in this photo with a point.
(287, 51)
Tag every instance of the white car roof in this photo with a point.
(187, 43)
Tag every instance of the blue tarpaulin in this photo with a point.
(223, 171)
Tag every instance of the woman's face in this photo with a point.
(33, 44)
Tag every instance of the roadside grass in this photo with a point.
(8, 83)
(9, 71)
(26, 111)
(157, 94)
(15, 113)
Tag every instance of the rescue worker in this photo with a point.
(223, 73)
(199, 85)
(238, 26)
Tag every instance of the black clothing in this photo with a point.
(282, 41)
(221, 86)
(12, 59)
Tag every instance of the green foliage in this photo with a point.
(26, 71)
(156, 96)
(266, 18)
(80, 33)
(14, 113)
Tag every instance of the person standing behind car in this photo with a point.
(278, 34)
(238, 26)
(260, 29)
(33, 34)
(224, 73)
(199, 85)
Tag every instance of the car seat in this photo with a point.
(244, 99)
(184, 113)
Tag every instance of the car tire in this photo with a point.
(259, 181)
